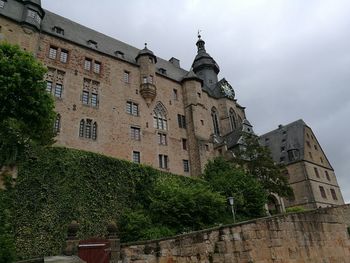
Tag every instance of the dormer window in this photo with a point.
(92, 43)
(2, 3)
(58, 30)
(162, 70)
(119, 54)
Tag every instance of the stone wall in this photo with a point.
(314, 236)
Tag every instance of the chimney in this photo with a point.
(175, 62)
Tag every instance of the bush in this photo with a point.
(295, 209)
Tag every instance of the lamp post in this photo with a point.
(231, 201)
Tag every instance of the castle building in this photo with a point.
(121, 101)
(310, 174)
(114, 99)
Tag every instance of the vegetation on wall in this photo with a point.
(57, 185)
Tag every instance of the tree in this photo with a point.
(249, 195)
(257, 161)
(26, 109)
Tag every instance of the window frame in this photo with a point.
(87, 61)
(136, 154)
(64, 53)
(186, 166)
(53, 50)
(135, 133)
(132, 108)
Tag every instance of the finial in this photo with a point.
(145, 45)
(198, 34)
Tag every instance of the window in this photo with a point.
(49, 86)
(315, 146)
(162, 140)
(58, 30)
(310, 155)
(162, 71)
(163, 161)
(90, 92)
(54, 82)
(136, 157)
(233, 120)
(199, 94)
(126, 77)
(151, 79)
(321, 159)
(97, 67)
(144, 80)
(88, 129)
(175, 94)
(282, 159)
(57, 124)
(334, 195)
(214, 116)
(202, 122)
(181, 120)
(58, 90)
(323, 192)
(184, 144)
(119, 54)
(267, 139)
(283, 148)
(31, 13)
(316, 172)
(87, 64)
(64, 56)
(92, 43)
(160, 117)
(2, 4)
(135, 133)
(327, 175)
(207, 147)
(132, 108)
(186, 166)
(53, 52)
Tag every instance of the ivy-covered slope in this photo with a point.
(57, 185)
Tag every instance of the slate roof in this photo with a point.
(290, 136)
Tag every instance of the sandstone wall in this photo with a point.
(315, 236)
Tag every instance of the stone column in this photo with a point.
(72, 241)
(114, 242)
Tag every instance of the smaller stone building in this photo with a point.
(310, 173)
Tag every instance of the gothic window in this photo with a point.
(54, 82)
(90, 92)
(232, 117)
(88, 129)
(160, 117)
(240, 121)
(57, 124)
(214, 116)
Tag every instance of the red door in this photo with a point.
(94, 250)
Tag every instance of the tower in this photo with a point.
(32, 14)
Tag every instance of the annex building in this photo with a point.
(115, 99)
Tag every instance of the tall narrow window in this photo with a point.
(144, 80)
(163, 161)
(135, 133)
(136, 157)
(87, 64)
(85, 97)
(160, 117)
(334, 195)
(323, 192)
(232, 119)
(81, 128)
(64, 56)
(151, 79)
(126, 77)
(316, 172)
(181, 120)
(88, 128)
(93, 99)
(327, 175)
(186, 166)
(175, 94)
(214, 116)
(162, 140)
(90, 92)
(58, 90)
(53, 52)
(94, 131)
(184, 144)
(57, 124)
(49, 86)
(97, 67)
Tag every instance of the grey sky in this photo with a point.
(286, 59)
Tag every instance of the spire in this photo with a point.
(200, 43)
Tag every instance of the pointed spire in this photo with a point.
(200, 43)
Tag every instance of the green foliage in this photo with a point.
(57, 185)
(257, 161)
(184, 205)
(249, 195)
(26, 109)
(295, 209)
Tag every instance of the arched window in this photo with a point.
(160, 117)
(57, 124)
(214, 116)
(240, 121)
(88, 129)
(94, 131)
(81, 128)
(232, 117)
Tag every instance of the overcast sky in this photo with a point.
(286, 59)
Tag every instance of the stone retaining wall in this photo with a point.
(315, 236)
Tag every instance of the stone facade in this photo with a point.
(310, 174)
(316, 236)
(96, 82)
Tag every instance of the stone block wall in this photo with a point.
(314, 236)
